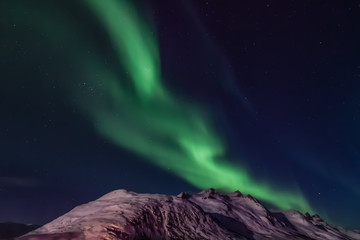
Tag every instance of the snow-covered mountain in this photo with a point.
(207, 215)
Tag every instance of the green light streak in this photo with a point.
(129, 41)
(148, 120)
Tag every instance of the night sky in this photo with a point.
(170, 96)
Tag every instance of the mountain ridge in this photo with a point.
(123, 214)
(10, 230)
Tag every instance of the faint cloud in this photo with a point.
(18, 182)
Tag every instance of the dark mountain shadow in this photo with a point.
(9, 230)
(54, 236)
(233, 225)
(281, 217)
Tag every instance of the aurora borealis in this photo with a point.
(109, 70)
(152, 123)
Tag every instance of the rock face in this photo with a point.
(207, 215)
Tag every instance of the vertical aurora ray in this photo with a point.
(137, 112)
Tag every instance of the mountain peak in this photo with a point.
(210, 215)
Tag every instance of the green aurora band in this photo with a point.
(138, 113)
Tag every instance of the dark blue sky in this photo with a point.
(280, 79)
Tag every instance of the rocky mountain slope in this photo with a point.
(207, 215)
